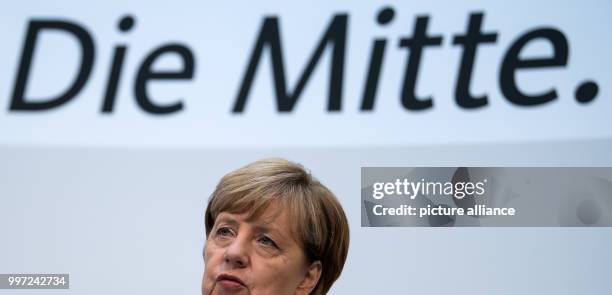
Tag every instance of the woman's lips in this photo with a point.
(230, 282)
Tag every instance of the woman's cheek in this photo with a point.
(213, 257)
(275, 275)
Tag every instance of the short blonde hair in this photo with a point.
(321, 225)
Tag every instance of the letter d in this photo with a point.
(18, 102)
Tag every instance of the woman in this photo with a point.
(272, 228)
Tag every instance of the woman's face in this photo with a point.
(256, 256)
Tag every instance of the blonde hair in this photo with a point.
(320, 223)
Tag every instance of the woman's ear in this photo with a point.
(311, 278)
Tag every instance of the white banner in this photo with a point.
(275, 74)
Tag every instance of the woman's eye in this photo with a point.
(224, 231)
(267, 242)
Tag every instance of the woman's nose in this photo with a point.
(237, 253)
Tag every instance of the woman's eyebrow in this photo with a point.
(227, 220)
